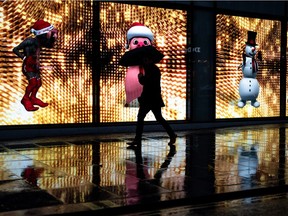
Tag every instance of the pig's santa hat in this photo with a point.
(139, 30)
(41, 27)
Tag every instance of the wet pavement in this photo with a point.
(207, 170)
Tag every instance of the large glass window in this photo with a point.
(66, 69)
(231, 38)
(169, 29)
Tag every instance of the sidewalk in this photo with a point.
(99, 175)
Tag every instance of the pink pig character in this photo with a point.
(137, 36)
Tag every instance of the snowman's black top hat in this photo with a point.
(251, 38)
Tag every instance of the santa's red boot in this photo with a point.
(26, 100)
(28, 105)
(33, 99)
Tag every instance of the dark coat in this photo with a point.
(151, 81)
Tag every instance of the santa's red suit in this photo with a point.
(29, 52)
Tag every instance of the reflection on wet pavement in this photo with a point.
(101, 173)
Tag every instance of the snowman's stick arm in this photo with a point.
(240, 66)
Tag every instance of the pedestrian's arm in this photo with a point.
(141, 78)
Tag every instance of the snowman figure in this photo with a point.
(249, 86)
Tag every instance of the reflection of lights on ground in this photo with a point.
(245, 154)
(16, 163)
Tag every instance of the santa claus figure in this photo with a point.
(29, 52)
(137, 36)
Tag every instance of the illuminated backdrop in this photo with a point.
(231, 35)
(67, 70)
(169, 28)
(67, 80)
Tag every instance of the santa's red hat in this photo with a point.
(139, 30)
(41, 27)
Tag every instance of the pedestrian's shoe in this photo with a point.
(36, 101)
(172, 139)
(134, 143)
(28, 104)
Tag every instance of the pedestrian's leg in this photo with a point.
(140, 125)
(32, 83)
(158, 115)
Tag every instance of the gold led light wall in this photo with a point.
(169, 28)
(66, 69)
(66, 72)
(231, 37)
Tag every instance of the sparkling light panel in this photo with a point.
(231, 36)
(66, 73)
(169, 28)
